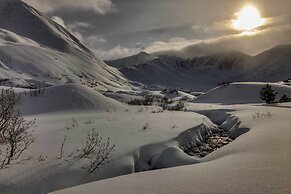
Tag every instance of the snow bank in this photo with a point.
(70, 97)
(242, 92)
(257, 162)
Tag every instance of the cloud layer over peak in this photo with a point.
(98, 6)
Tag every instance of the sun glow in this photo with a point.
(248, 20)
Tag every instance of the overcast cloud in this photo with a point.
(118, 28)
(98, 6)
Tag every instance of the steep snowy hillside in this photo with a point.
(24, 20)
(222, 61)
(203, 73)
(37, 52)
(272, 65)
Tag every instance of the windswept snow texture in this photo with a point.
(206, 72)
(240, 93)
(35, 52)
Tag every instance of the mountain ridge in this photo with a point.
(270, 65)
(37, 52)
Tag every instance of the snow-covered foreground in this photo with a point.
(148, 139)
(69, 91)
(256, 162)
(130, 128)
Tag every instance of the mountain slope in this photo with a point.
(241, 93)
(206, 72)
(141, 57)
(35, 52)
(200, 73)
(271, 65)
(24, 20)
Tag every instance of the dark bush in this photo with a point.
(267, 94)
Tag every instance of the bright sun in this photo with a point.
(248, 19)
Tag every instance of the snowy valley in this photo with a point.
(174, 125)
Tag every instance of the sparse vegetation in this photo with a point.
(284, 98)
(267, 94)
(146, 126)
(15, 137)
(42, 158)
(73, 123)
(211, 143)
(259, 115)
(179, 106)
(36, 92)
(62, 147)
(96, 150)
(147, 101)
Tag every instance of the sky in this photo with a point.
(118, 28)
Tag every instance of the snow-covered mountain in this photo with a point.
(35, 52)
(199, 73)
(203, 73)
(271, 65)
(141, 57)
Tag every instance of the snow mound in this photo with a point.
(243, 92)
(173, 156)
(70, 97)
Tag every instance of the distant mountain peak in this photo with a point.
(143, 53)
(139, 58)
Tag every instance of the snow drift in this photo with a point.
(69, 97)
(241, 92)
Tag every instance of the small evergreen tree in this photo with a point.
(267, 94)
(284, 98)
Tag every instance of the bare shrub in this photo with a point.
(73, 123)
(96, 150)
(260, 115)
(146, 126)
(62, 148)
(36, 92)
(284, 98)
(179, 106)
(14, 135)
(42, 158)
